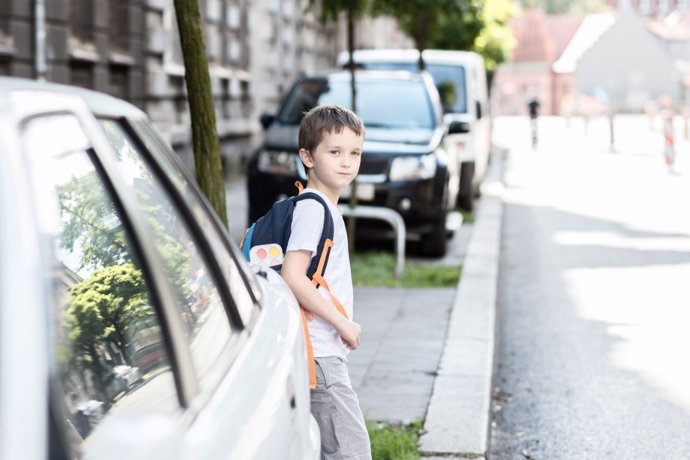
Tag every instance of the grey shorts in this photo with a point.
(335, 407)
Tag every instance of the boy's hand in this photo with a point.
(349, 333)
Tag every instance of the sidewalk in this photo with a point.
(427, 354)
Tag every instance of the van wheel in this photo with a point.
(466, 193)
(434, 244)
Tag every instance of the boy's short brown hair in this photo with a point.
(325, 119)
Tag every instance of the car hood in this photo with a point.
(380, 140)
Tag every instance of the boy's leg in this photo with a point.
(335, 407)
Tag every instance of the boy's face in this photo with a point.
(334, 163)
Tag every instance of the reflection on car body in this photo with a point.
(142, 332)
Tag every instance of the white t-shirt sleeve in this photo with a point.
(307, 226)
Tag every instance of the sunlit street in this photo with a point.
(593, 299)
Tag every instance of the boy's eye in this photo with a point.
(335, 152)
(355, 153)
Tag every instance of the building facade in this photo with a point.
(131, 49)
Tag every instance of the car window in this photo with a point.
(199, 300)
(449, 80)
(381, 103)
(110, 352)
(241, 282)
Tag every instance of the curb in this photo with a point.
(458, 417)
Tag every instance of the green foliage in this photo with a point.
(495, 41)
(424, 20)
(331, 9)
(378, 269)
(394, 442)
(476, 25)
(89, 220)
(100, 309)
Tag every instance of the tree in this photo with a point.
(496, 41)
(475, 25)
(99, 312)
(209, 167)
(425, 20)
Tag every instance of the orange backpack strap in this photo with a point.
(319, 280)
(311, 364)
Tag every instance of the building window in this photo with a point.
(119, 81)
(82, 20)
(82, 74)
(119, 24)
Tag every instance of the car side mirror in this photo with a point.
(267, 119)
(458, 127)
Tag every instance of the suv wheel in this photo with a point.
(434, 244)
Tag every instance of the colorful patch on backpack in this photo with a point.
(267, 255)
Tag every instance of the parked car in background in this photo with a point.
(107, 246)
(460, 77)
(405, 166)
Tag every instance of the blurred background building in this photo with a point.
(622, 60)
(131, 49)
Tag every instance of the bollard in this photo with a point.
(669, 145)
(612, 140)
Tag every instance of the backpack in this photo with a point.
(265, 243)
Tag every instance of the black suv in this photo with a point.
(404, 165)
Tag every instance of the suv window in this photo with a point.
(110, 352)
(380, 103)
(449, 80)
(199, 300)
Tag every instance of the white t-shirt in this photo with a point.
(307, 225)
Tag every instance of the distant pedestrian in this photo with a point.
(533, 109)
(330, 147)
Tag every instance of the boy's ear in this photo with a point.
(306, 158)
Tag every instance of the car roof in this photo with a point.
(410, 55)
(99, 103)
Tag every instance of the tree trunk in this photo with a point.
(209, 168)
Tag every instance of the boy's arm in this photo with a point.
(294, 272)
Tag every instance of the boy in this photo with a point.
(330, 146)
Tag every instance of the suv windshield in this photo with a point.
(449, 79)
(385, 103)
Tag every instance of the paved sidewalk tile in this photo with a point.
(403, 334)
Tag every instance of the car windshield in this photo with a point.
(386, 103)
(449, 79)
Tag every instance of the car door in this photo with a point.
(266, 384)
(138, 285)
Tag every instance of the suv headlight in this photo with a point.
(278, 162)
(413, 167)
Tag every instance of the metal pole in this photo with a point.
(40, 65)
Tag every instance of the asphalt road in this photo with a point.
(593, 314)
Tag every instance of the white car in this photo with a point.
(111, 257)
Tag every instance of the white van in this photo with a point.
(460, 77)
